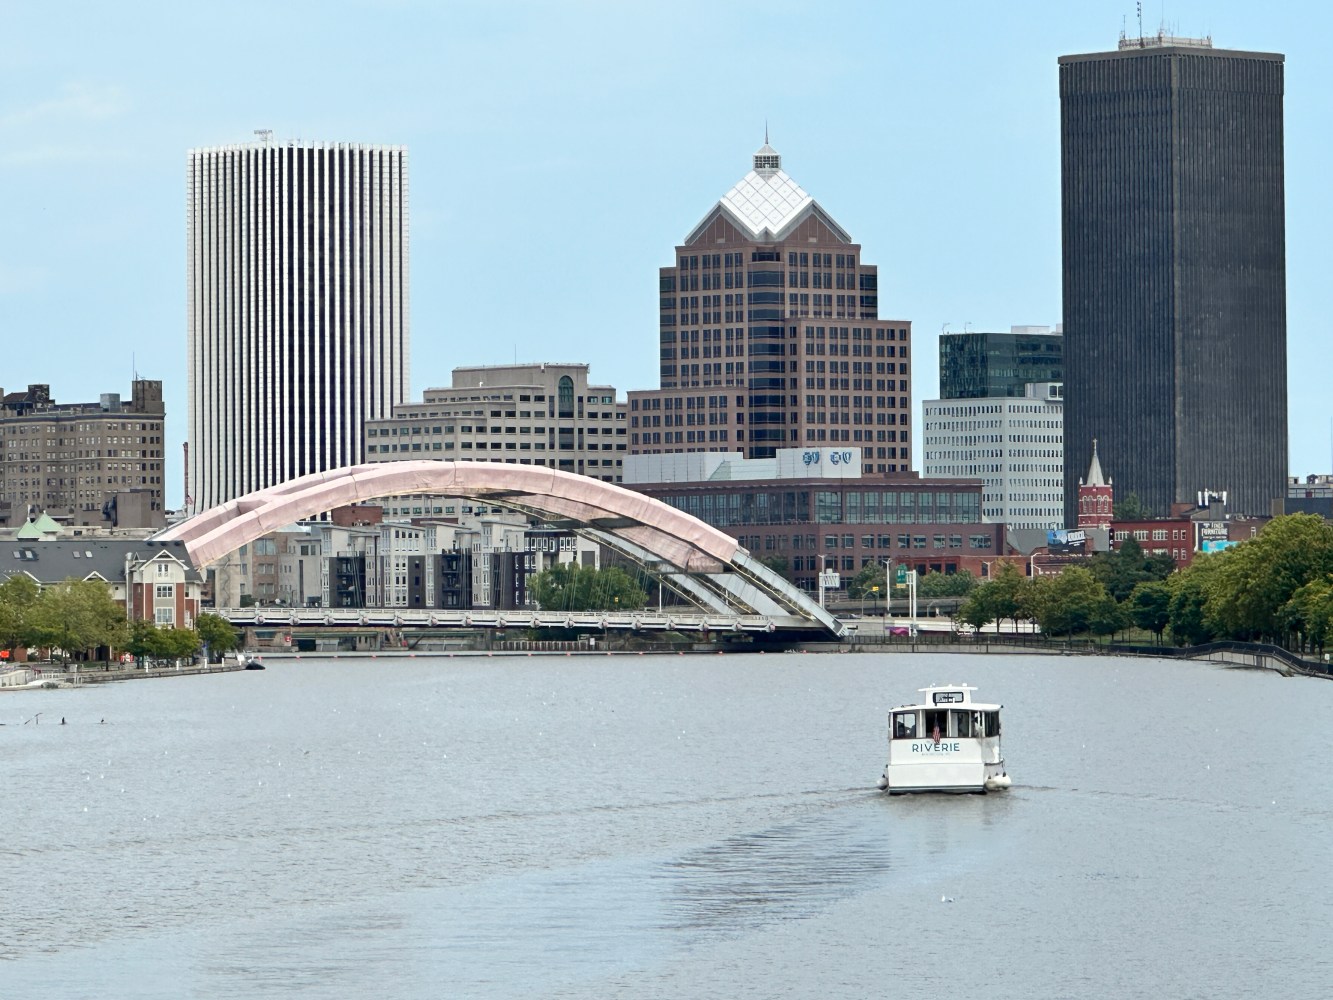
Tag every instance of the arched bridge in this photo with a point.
(705, 566)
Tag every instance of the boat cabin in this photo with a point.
(945, 713)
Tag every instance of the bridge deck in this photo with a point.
(648, 621)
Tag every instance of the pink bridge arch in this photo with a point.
(705, 565)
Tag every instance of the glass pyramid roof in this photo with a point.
(766, 202)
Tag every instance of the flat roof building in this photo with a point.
(1015, 445)
(298, 300)
(983, 365)
(546, 414)
(96, 463)
(1173, 222)
(809, 509)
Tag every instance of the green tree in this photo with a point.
(568, 587)
(1123, 569)
(220, 635)
(1190, 622)
(77, 616)
(777, 563)
(1004, 595)
(979, 609)
(1008, 586)
(862, 585)
(1255, 579)
(18, 598)
(1309, 613)
(1149, 607)
(935, 585)
(1130, 509)
(1076, 602)
(143, 641)
(181, 643)
(150, 644)
(1159, 565)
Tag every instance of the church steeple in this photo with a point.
(1095, 469)
(1095, 496)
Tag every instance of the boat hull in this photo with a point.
(936, 776)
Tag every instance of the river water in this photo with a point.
(663, 826)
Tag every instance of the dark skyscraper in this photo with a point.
(1174, 271)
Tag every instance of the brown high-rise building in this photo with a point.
(83, 463)
(770, 336)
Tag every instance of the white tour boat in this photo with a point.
(947, 743)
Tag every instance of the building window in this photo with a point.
(164, 591)
(566, 396)
(164, 616)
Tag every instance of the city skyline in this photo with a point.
(936, 135)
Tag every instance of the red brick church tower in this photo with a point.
(1095, 496)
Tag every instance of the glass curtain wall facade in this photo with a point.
(989, 365)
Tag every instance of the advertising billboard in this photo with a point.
(1212, 536)
(1065, 540)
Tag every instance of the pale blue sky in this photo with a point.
(559, 152)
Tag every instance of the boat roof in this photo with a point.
(954, 694)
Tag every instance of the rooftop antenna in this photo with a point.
(765, 131)
(265, 134)
(1139, 5)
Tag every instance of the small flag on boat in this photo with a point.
(935, 735)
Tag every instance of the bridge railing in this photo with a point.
(668, 621)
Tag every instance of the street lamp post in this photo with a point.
(129, 589)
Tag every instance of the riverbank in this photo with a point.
(47, 675)
(1243, 655)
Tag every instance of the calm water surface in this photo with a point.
(664, 826)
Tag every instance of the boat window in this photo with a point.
(992, 723)
(962, 723)
(904, 725)
(936, 719)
